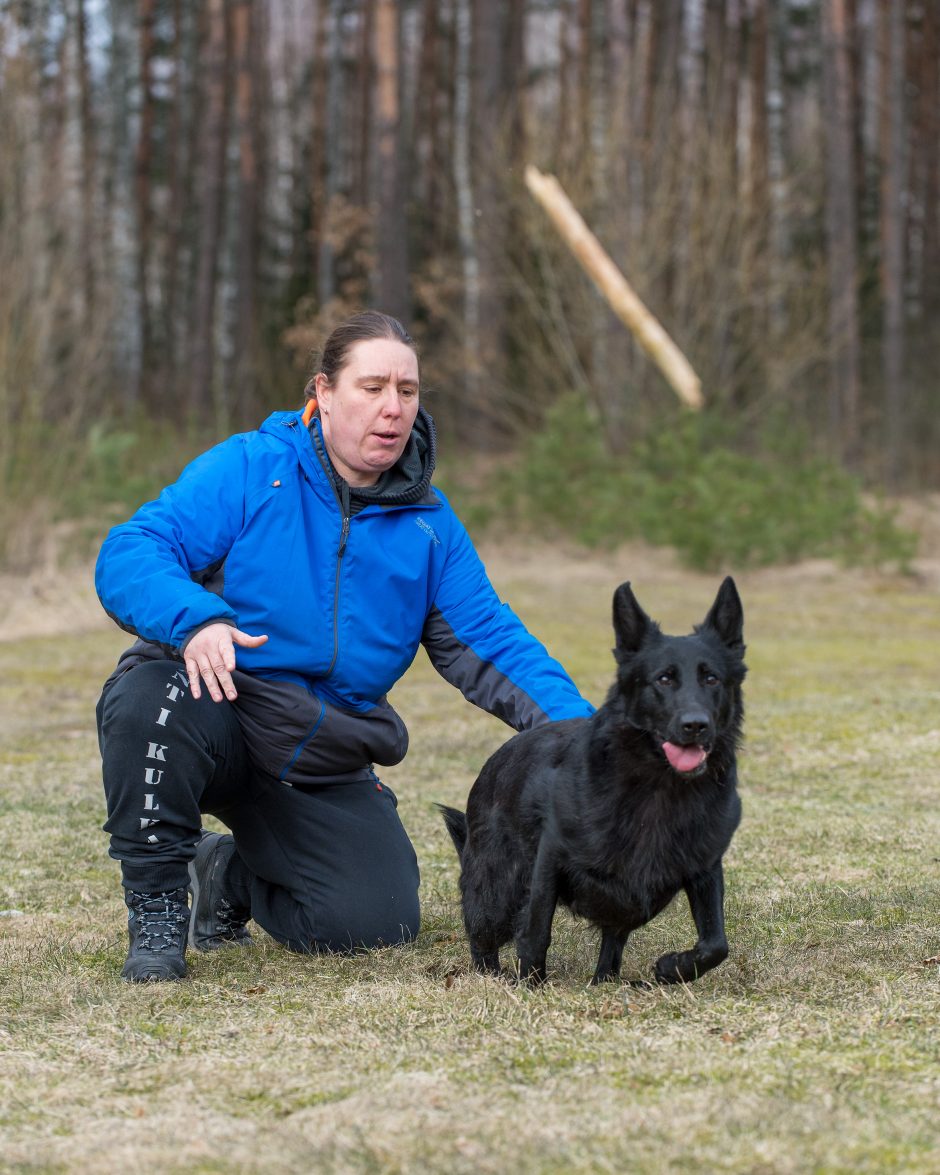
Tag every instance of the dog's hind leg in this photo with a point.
(610, 957)
(490, 901)
(535, 931)
(706, 900)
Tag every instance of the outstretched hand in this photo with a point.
(210, 656)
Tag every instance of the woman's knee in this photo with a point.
(341, 929)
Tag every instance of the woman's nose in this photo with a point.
(392, 403)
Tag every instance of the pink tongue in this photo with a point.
(683, 758)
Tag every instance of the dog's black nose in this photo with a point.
(694, 725)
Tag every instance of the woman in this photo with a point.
(279, 589)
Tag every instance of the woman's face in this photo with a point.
(368, 410)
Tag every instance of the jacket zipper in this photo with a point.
(342, 497)
(343, 539)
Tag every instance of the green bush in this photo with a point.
(123, 467)
(565, 479)
(685, 485)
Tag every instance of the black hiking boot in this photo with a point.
(156, 925)
(220, 908)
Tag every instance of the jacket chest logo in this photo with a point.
(428, 530)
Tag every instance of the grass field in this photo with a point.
(815, 1048)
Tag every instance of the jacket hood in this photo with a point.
(406, 483)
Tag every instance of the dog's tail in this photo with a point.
(456, 825)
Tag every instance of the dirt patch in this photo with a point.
(47, 603)
(62, 599)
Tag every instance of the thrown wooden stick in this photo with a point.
(614, 286)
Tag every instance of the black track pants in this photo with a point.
(331, 865)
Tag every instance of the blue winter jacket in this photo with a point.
(261, 533)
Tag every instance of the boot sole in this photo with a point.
(153, 976)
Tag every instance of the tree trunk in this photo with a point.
(333, 154)
(567, 88)
(365, 107)
(121, 259)
(695, 160)
(177, 168)
(245, 340)
(929, 154)
(664, 165)
(489, 156)
(643, 119)
(319, 87)
(391, 280)
(618, 152)
(89, 170)
(516, 73)
(758, 176)
(584, 57)
(621, 17)
(143, 167)
(892, 230)
(721, 61)
(730, 82)
(841, 230)
(214, 140)
(429, 163)
(466, 220)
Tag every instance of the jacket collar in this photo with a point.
(408, 482)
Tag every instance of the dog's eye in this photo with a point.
(710, 678)
(665, 678)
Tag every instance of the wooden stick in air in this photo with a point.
(613, 285)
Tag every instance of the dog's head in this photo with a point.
(683, 691)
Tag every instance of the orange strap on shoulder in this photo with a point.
(309, 411)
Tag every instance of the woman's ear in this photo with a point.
(323, 391)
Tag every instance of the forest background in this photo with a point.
(191, 194)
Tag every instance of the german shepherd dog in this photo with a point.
(614, 814)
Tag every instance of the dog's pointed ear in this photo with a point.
(631, 624)
(726, 616)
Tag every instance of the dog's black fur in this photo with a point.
(612, 815)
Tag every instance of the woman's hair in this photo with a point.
(369, 325)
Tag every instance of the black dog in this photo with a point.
(612, 815)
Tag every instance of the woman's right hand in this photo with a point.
(210, 657)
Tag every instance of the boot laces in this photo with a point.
(161, 921)
(229, 919)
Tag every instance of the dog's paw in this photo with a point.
(605, 976)
(677, 967)
(531, 974)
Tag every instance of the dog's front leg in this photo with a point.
(706, 901)
(536, 928)
(610, 957)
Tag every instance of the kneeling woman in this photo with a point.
(279, 589)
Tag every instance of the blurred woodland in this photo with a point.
(193, 191)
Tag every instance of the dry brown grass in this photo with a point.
(814, 1048)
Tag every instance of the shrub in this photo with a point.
(684, 485)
